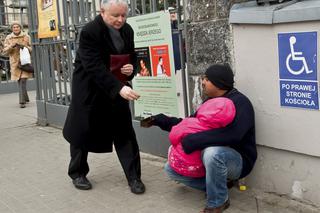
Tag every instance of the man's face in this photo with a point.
(173, 16)
(115, 15)
(209, 88)
(16, 29)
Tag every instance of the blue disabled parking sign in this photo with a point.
(298, 69)
(298, 55)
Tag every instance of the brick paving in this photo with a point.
(33, 176)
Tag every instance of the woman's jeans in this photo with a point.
(222, 164)
(23, 95)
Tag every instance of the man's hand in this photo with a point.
(147, 122)
(127, 69)
(129, 94)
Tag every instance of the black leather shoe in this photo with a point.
(137, 187)
(82, 183)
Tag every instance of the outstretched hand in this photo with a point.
(129, 94)
(147, 122)
(160, 120)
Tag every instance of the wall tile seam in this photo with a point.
(206, 21)
(316, 157)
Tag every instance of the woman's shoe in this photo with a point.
(22, 105)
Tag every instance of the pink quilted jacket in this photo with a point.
(214, 113)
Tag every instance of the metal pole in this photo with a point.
(32, 19)
(82, 13)
(133, 7)
(143, 5)
(165, 5)
(2, 14)
(182, 56)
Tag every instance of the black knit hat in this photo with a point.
(221, 76)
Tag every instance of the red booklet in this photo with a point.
(116, 62)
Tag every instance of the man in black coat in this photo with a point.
(99, 115)
(229, 153)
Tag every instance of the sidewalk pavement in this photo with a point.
(33, 177)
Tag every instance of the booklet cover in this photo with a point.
(144, 64)
(116, 62)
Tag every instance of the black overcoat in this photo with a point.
(97, 113)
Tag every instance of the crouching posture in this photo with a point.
(228, 152)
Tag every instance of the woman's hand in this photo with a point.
(14, 45)
(127, 69)
(21, 45)
(17, 45)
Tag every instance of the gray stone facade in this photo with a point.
(209, 39)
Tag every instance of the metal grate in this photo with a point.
(53, 57)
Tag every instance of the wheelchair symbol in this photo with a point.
(296, 56)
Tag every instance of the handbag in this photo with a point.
(25, 60)
(25, 57)
(27, 68)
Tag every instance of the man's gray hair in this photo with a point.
(106, 3)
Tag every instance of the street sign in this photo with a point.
(298, 55)
(298, 69)
(299, 94)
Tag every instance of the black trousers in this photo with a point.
(127, 152)
(23, 94)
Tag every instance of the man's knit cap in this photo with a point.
(221, 76)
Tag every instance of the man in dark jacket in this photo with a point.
(229, 153)
(99, 115)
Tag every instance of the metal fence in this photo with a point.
(53, 57)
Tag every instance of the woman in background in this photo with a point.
(12, 44)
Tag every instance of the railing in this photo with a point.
(53, 57)
(4, 69)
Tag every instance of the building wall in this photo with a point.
(286, 173)
(288, 139)
(209, 40)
